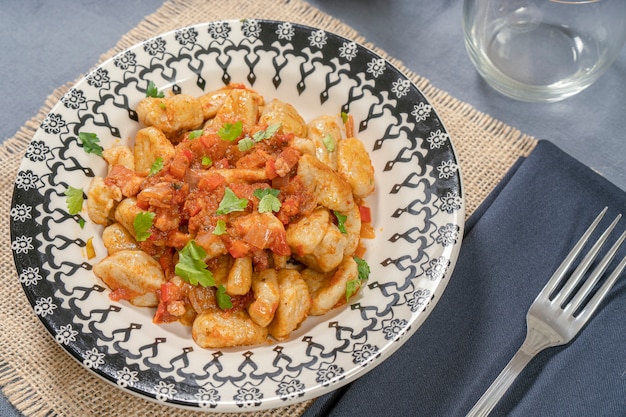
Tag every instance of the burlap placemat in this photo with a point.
(39, 378)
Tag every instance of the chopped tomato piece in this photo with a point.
(162, 315)
(366, 214)
(211, 181)
(170, 292)
(270, 169)
(180, 163)
(238, 248)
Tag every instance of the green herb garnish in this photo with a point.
(223, 300)
(220, 228)
(268, 199)
(231, 203)
(341, 221)
(74, 199)
(90, 143)
(156, 166)
(353, 285)
(329, 142)
(153, 91)
(191, 266)
(142, 224)
(267, 133)
(363, 268)
(344, 117)
(194, 134)
(245, 144)
(231, 131)
(206, 161)
(248, 142)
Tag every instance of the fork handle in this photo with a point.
(501, 384)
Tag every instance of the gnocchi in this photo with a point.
(233, 215)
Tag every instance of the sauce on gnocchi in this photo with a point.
(233, 215)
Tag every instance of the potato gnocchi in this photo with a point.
(234, 216)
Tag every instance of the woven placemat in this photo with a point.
(39, 378)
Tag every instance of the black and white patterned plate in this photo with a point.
(417, 213)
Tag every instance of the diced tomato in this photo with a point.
(188, 154)
(170, 292)
(180, 163)
(270, 169)
(279, 245)
(222, 163)
(289, 158)
(211, 181)
(366, 214)
(253, 159)
(290, 206)
(162, 315)
(238, 248)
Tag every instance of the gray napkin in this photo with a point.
(513, 244)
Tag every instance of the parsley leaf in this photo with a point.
(248, 142)
(231, 203)
(223, 300)
(220, 228)
(245, 144)
(153, 91)
(355, 284)
(207, 161)
(329, 143)
(262, 192)
(352, 287)
(268, 199)
(344, 117)
(267, 133)
(142, 224)
(363, 268)
(194, 134)
(156, 166)
(341, 221)
(191, 266)
(74, 199)
(90, 143)
(231, 131)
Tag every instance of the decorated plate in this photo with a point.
(417, 215)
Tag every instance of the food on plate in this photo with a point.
(233, 215)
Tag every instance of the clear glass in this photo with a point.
(543, 50)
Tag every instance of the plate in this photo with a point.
(417, 214)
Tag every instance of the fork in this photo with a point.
(559, 312)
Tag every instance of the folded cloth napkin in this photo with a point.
(513, 244)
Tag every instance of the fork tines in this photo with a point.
(575, 305)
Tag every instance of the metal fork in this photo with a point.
(559, 312)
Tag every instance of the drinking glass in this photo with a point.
(543, 50)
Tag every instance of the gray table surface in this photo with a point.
(46, 44)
